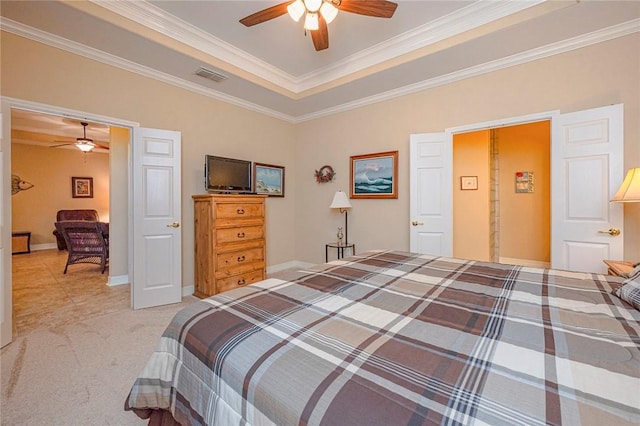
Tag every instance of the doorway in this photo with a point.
(118, 196)
(586, 168)
(502, 175)
(44, 153)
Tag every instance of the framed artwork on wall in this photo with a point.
(374, 175)
(268, 180)
(468, 183)
(82, 187)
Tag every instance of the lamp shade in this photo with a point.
(340, 201)
(629, 191)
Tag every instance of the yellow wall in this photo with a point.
(299, 224)
(525, 218)
(50, 171)
(471, 217)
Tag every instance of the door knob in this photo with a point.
(613, 231)
(174, 225)
(416, 223)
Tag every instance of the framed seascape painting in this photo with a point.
(268, 180)
(374, 175)
(82, 187)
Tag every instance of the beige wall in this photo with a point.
(50, 171)
(602, 74)
(471, 209)
(208, 126)
(299, 224)
(525, 218)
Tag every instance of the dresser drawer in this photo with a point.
(237, 281)
(239, 210)
(237, 235)
(239, 258)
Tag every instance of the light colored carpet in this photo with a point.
(78, 346)
(80, 373)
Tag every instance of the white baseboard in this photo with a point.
(288, 265)
(47, 246)
(117, 280)
(188, 290)
(525, 262)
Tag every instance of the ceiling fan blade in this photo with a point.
(265, 15)
(62, 144)
(320, 36)
(97, 145)
(377, 8)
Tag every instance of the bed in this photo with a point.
(396, 338)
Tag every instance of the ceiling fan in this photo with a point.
(319, 13)
(84, 144)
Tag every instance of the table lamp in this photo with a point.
(341, 202)
(629, 191)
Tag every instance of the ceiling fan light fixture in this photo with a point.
(85, 145)
(328, 12)
(296, 10)
(311, 21)
(313, 5)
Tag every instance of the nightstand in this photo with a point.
(619, 268)
(339, 248)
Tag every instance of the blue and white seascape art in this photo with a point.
(269, 180)
(373, 176)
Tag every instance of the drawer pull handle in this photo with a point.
(241, 282)
(241, 258)
(240, 234)
(240, 211)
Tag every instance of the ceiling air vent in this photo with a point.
(211, 75)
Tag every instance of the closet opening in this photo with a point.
(502, 194)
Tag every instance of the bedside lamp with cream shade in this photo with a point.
(341, 202)
(629, 191)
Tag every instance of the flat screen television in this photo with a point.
(227, 175)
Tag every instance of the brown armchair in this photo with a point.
(64, 215)
(85, 242)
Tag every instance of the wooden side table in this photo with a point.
(619, 268)
(20, 242)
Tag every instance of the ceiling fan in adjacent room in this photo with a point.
(318, 13)
(84, 144)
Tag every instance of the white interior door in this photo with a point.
(586, 169)
(431, 198)
(157, 242)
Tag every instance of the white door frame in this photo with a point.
(6, 281)
(448, 137)
(553, 116)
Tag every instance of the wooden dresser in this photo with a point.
(230, 248)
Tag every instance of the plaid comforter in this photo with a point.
(395, 338)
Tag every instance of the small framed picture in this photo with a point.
(468, 183)
(82, 187)
(268, 179)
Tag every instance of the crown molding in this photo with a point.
(616, 31)
(154, 18)
(620, 30)
(109, 59)
(458, 22)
